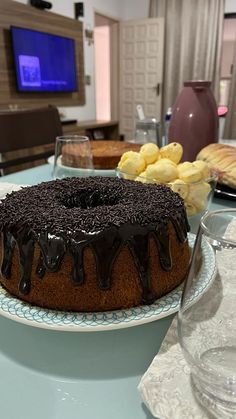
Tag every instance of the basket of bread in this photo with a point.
(193, 181)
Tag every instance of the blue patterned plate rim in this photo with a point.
(17, 310)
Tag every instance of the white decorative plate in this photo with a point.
(22, 312)
(96, 172)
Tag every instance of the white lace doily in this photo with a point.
(166, 386)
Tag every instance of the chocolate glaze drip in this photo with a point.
(8, 248)
(106, 248)
(122, 229)
(25, 244)
(163, 244)
(76, 249)
(77, 272)
(138, 244)
(40, 270)
(180, 225)
(53, 249)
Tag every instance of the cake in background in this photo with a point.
(106, 154)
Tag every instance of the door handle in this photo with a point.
(157, 88)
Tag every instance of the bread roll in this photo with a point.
(221, 158)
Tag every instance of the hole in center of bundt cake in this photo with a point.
(89, 199)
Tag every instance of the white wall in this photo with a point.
(135, 9)
(230, 6)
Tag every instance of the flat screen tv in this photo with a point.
(43, 62)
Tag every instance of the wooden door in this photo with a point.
(141, 70)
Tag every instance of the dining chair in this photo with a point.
(27, 136)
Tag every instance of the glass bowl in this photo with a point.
(197, 196)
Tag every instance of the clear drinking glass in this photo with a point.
(148, 131)
(73, 157)
(207, 326)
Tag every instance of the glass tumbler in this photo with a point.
(73, 157)
(207, 325)
(148, 131)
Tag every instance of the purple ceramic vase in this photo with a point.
(194, 122)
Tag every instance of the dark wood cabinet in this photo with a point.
(94, 129)
(108, 130)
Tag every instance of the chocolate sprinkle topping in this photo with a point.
(88, 204)
(103, 213)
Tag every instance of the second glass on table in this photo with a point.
(207, 326)
(73, 157)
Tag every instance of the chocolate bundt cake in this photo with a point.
(93, 244)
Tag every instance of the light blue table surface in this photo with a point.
(64, 375)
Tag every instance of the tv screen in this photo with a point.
(43, 62)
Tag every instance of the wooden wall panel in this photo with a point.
(17, 14)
